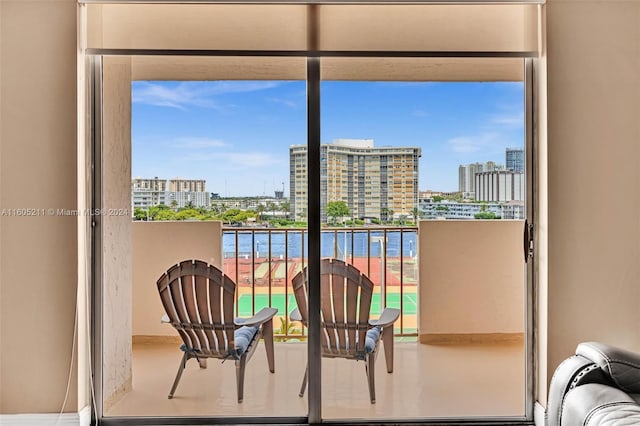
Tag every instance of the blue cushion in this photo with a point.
(371, 339)
(243, 337)
(184, 348)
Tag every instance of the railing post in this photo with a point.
(401, 254)
(253, 272)
(286, 282)
(237, 275)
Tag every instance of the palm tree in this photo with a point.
(285, 207)
(384, 213)
(303, 215)
(416, 214)
(271, 208)
(260, 209)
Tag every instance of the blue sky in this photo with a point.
(236, 134)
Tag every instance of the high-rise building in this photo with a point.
(147, 193)
(187, 185)
(298, 182)
(500, 185)
(514, 159)
(188, 192)
(467, 177)
(188, 198)
(374, 182)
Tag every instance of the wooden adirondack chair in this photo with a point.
(347, 331)
(199, 299)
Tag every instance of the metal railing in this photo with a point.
(263, 261)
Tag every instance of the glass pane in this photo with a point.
(394, 156)
(200, 165)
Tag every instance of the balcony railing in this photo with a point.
(263, 261)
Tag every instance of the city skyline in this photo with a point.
(236, 135)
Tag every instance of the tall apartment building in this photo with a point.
(298, 182)
(454, 210)
(500, 185)
(514, 159)
(187, 185)
(374, 182)
(147, 193)
(467, 177)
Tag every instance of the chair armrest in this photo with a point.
(563, 380)
(598, 404)
(387, 318)
(265, 314)
(295, 315)
(621, 365)
(165, 319)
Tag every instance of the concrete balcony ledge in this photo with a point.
(472, 280)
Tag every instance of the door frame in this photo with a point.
(94, 56)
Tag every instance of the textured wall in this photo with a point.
(156, 247)
(116, 230)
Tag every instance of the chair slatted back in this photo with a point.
(345, 304)
(199, 299)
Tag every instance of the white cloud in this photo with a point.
(196, 143)
(468, 144)
(420, 113)
(179, 96)
(185, 94)
(286, 102)
(512, 120)
(464, 144)
(237, 160)
(220, 87)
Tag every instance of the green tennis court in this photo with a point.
(409, 307)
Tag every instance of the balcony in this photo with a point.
(459, 350)
(467, 380)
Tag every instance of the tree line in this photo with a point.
(338, 213)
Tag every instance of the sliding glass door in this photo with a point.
(423, 192)
(195, 157)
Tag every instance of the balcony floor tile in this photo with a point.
(428, 381)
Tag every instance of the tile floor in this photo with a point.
(428, 381)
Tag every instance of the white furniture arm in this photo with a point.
(265, 314)
(387, 318)
(295, 315)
